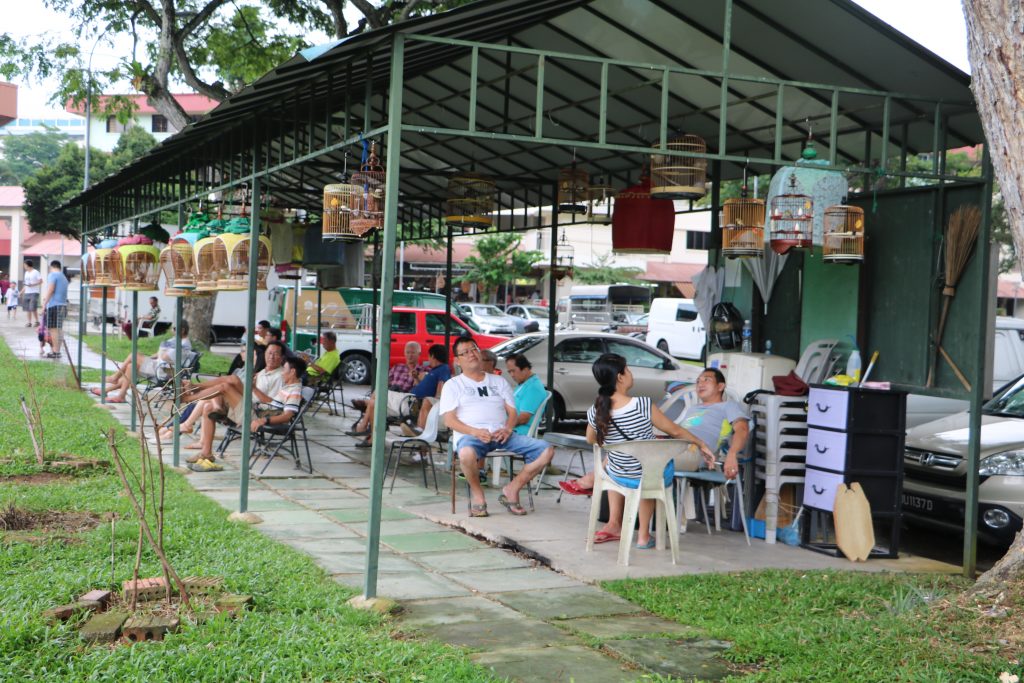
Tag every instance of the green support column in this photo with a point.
(250, 326)
(103, 348)
(380, 383)
(83, 301)
(552, 292)
(135, 352)
(179, 306)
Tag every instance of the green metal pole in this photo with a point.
(723, 109)
(394, 158)
(135, 353)
(103, 348)
(295, 315)
(978, 391)
(83, 299)
(553, 293)
(179, 309)
(250, 326)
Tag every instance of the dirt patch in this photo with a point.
(35, 479)
(35, 526)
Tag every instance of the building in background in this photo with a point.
(105, 130)
(8, 103)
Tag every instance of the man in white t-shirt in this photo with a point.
(480, 410)
(31, 283)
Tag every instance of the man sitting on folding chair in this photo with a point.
(271, 410)
(320, 370)
(160, 364)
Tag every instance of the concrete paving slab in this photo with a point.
(299, 516)
(292, 484)
(428, 543)
(324, 530)
(262, 506)
(473, 560)
(500, 634)
(363, 514)
(412, 496)
(623, 626)
(567, 603)
(335, 503)
(408, 585)
(453, 611)
(363, 482)
(682, 659)
(513, 579)
(556, 665)
(318, 546)
(399, 527)
(355, 563)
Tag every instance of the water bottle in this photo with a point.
(768, 347)
(746, 334)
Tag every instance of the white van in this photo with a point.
(1007, 364)
(675, 327)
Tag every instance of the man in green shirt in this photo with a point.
(328, 361)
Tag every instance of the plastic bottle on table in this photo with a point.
(853, 364)
(747, 345)
(768, 347)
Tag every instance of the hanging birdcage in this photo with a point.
(235, 275)
(573, 190)
(104, 267)
(178, 260)
(843, 234)
(137, 267)
(469, 201)
(337, 215)
(743, 227)
(601, 203)
(211, 259)
(680, 177)
(792, 216)
(367, 202)
(563, 265)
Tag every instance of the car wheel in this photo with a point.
(357, 369)
(557, 414)
(213, 337)
(663, 346)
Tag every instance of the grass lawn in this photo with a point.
(119, 348)
(837, 626)
(300, 628)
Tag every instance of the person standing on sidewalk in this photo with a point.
(30, 293)
(55, 305)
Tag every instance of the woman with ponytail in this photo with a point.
(617, 417)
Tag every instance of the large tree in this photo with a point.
(498, 260)
(23, 155)
(996, 52)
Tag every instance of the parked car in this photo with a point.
(935, 468)
(675, 327)
(575, 352)
(630, 324)
(539, 314)
(490, 319)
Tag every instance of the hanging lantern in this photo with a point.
(137, 266)
(743, 227)
(792, 220)
(573, 190)
(337, 214)
(367, 200)
(680, 177)
(601, 203)
(103, 264)
(641, 224)
(843, 235)
(470, 200)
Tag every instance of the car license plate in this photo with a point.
(919, 503)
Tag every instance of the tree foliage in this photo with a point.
(497, 260)
(23, 155)
(605, 272)
(56, 183)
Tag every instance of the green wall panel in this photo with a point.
(830, 298)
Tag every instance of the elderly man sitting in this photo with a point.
(480, 410)
(161, 362)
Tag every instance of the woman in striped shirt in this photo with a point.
(617, 417)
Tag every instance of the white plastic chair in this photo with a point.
(422, 442)
(653, 456)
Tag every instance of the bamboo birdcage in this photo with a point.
(210, 262)
(792, 216)
(137, 267)
(743, 227)
(843, 238)
(601, 203)
(367, 201)
(103, 264)
(573, 190)
(469, 201)
(178, 261)
(337, 214)
(680, 177)
(235, 274)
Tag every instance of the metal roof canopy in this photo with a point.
(615, 77)
(521, 88)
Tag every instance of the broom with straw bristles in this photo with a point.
(961, 235)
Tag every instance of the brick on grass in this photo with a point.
(233, 604)
(146, 589)
(202, 585)
(65, 612)
(139, 629)
(100, 596)
(104, 628)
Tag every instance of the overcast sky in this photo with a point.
(936, 24)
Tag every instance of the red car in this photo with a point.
(427, 328)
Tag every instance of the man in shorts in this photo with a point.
(480, 410)
(161, 362)
(55, 304)
(30, 285)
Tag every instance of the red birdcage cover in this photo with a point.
(641, 224)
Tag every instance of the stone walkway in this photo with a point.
(532, 614)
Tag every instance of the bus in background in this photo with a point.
(592, 307)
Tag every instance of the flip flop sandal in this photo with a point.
(646, 546)
(512, 506)
(478, 510)
(605, 537)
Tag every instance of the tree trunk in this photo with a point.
(198, 310)
(996, 53)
